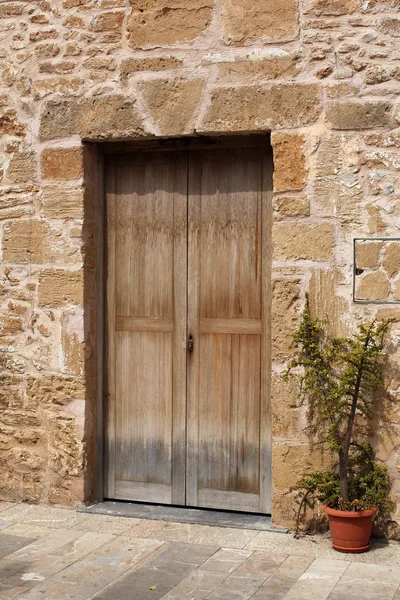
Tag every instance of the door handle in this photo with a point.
(190, 343)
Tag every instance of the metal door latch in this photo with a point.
(190, 343)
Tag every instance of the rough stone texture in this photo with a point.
(359, 115)
(245, 20)
(289, 162)
(373, 286)
(173, 104)
(322, 75)
(303, 241)
(61, 163)
(165, 22)
(258, 108)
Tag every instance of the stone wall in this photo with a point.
(322, 75)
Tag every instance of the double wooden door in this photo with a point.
(188, 244)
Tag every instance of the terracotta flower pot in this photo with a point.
(350, 530)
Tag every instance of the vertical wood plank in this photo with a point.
(180, 291)
(193, 320)
(111, 219)
(266, 359)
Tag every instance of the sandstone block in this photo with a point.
(173, 103)
(10, 125)
(290, 207)
(48, 50)
(59, 119)
(391, 259)
(166, 22)
(285, 313)
(61, 163)
(339, 196)
(72, 341)
(65, 449)
(286, 422)
(252, 108)
(10, 325)
(130, 66)
(43, 34)
(289, 162)
(109, 117)
(289, 462)
(64, 86)
(357, 114)
(11, 9)
(330, 7)
(326, 303)
(22, 167)
(62, 203)
(390, 26)
(246, 20)
(367, 254)
(272, 67)
(58, 287)
(74, 3)
(37, 241)
(107, 21)
(373, 286)
(48, 391)
(299, 241)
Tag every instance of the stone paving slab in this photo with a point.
(48, 554)
(11, 543)
(159, 575)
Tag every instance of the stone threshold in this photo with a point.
(177, 514)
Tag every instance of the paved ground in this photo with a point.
(58, 554)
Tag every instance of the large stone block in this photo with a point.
(52, 391)
(271, 64)
(131, 66)
(38, 242)
(59, 119)
(299, 241)
(62, 203)
(359, 114)
(290, 207)
(109, 117)
(286, 414)
(106, 117)
(285, 314)
(158, 23)
(289, 162)
(254, 108)
(290, 462)
(172, 104)
(61, 163)
(246, 20)
(58, 287)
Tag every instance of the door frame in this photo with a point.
(95, 193)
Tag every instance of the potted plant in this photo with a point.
(339, 380)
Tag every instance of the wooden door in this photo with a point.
(228, 440)
(188, 254)
(146, 327)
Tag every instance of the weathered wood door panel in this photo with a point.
(188, 253)
(146, 306)
(227, 278)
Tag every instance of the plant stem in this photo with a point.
(344, 450)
